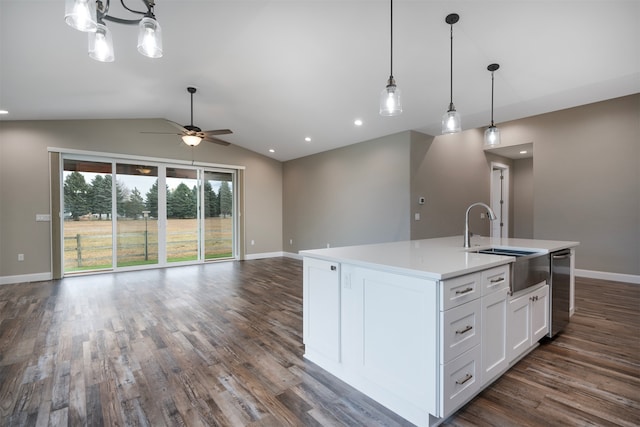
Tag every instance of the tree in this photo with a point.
(76, 195)
(101, 195)
(134, 205)
(211, 206)
(181, 203)
(226, 199)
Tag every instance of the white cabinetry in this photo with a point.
(528, 320)
(495, 302)
(460, 336)
(321, 307)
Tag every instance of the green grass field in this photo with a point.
(95, 249)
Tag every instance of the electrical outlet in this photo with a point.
(253, 242)
(20, 257)
(291, 241)
(328, 245)
(482, 215)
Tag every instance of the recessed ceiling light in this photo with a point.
(523, 152)
(357, 122)
(308, 139)
(4, 112)
(271, 150)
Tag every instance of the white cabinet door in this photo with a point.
(519, 326)
(321, 309)
(390, 323)
(539, 313)
(495, 310)
(528, 320)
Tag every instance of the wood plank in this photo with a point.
(220, 344)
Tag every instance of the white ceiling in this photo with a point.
(278, 71)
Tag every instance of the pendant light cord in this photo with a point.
(451, 70)
(391, 26)
(492, 98)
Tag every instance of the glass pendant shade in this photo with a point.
(451, 122)
(101, 44)
(81, 14)
(390, 100)
(191, 140)
(492, 136)
(150, 38)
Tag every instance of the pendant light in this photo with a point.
(390, 100)
(451, 122)
(492, 134)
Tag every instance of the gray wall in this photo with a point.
(24, 181)
(522, 198)
(347, 196)
(586, 174)
(586, 186)
(451, 172)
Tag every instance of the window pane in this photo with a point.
(87, 215)
(137, 224)
(182, 215)
(218, 214)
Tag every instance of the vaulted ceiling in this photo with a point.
(278, 71)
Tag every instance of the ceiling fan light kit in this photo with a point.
(390, 98)
(89, 16)
(193, 135)
(451, 122)
(492, 134)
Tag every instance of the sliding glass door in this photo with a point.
(87, 219)
(137, 219)
(117, 217)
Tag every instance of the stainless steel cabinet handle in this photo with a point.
(561, 256)
(501, 279)
(464, 380)
(462, 331)
(464, 291)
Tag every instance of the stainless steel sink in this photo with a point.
(528, 269)
(506, 252)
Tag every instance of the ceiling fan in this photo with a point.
(193, 135)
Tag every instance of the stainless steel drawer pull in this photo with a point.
(462, 331)
(464, 291)
(464, 380)
(501, 279)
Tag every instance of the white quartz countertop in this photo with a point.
(439, 258)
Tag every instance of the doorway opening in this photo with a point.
(500, 199)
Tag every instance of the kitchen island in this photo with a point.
(421, 326)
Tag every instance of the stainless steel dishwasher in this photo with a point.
(559, 290)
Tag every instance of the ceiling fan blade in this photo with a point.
(217, 132)
(215, 140)
(177, 125)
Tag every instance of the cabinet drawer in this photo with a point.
(459, 381)
(459, 290)
(495, 279)
(460, 330)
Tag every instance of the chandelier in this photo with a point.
(90, 16)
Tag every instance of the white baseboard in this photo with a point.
(263, 255)
(293, 255)
(25, 278)
(603, 275)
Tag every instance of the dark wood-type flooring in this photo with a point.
(221, 345)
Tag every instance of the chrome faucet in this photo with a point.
(467, 232)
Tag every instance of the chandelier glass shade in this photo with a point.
(90, 16)
(101, 44)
